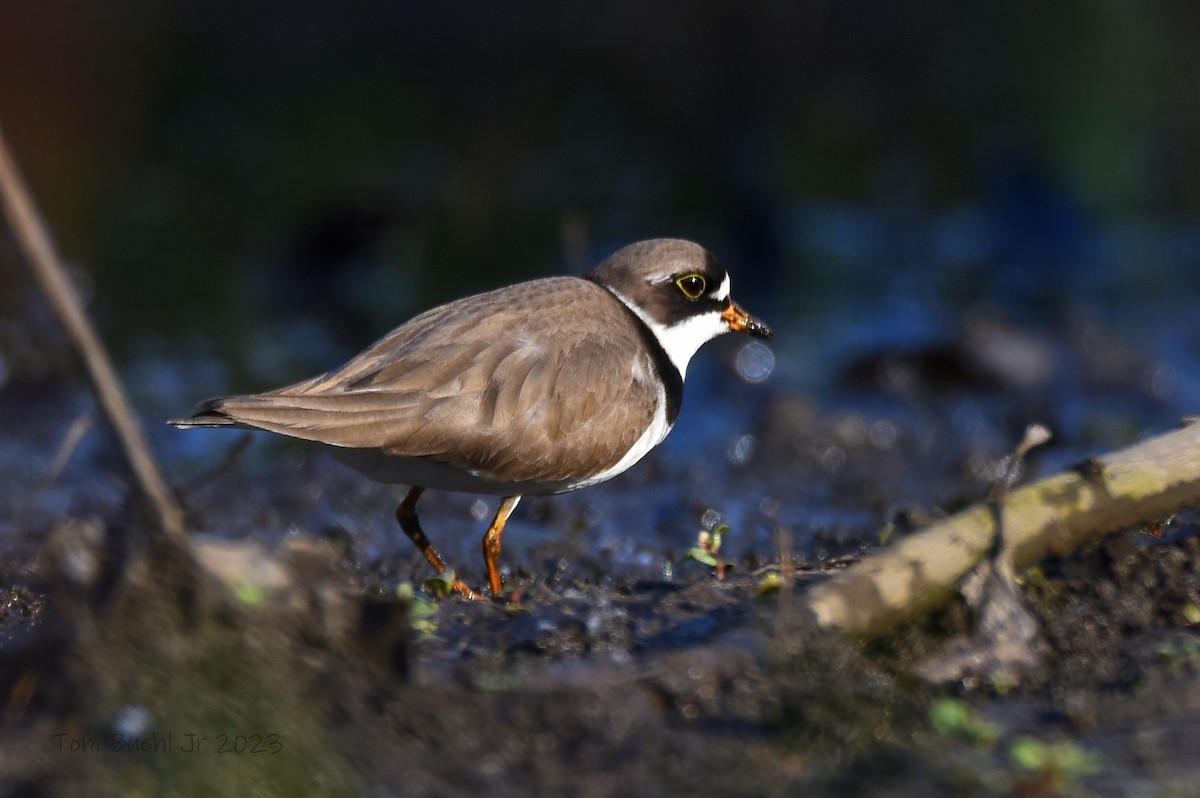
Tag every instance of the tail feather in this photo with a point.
(209, 415)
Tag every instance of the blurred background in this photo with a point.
(255, 191)
(214, 164)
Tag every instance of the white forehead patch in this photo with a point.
(723, 291)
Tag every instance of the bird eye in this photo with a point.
(692, 285)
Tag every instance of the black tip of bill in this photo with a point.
(758, 329)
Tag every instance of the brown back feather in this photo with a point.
(431, 389)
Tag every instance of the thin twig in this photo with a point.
(80, 427)
(220, 468)
(35, 243)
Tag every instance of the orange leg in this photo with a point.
(406, 514)
(491, 541)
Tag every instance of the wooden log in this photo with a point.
(1122, 490)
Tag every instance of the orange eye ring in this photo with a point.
(692, 285)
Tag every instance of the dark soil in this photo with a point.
(298, 649)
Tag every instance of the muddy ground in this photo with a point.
(302, 651)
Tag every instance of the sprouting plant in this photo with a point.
(422, 613)
(770, 584)
(707, 548)
(1055, 765)
(251, 594)
(441, 585)
(951, 717)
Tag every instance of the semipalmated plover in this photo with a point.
(538, 388)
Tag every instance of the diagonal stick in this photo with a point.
(35, 243)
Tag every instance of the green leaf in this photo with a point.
(250, 593)
(700, 555)
(951, 717)
(769, 585)
(442, 584)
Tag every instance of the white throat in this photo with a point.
(681, 340)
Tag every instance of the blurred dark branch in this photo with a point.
(35, 243)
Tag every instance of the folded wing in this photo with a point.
(509, 396)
